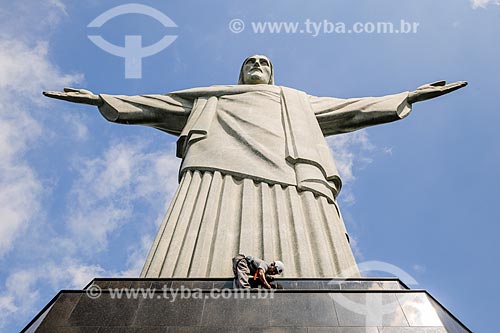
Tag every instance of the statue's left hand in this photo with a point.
(432, 90)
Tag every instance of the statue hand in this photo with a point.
(76, 96)
(432, 90)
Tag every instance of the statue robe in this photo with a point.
(257, 176)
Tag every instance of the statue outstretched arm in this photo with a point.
(168, 113)
(336, 116)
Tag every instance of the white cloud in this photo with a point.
(59, 5)
(354, 243)
(26, 70)
(137, 257)
(349, 149)
(81, 275)
(7, 306)
(69, 273)
(484, 3)
(351, 152)
(18, 296)
(108, 187)
(387, 151)
(76, 125)
(419, 268)
(19, 187)
(28, 20)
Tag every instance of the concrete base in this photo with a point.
(211, 305)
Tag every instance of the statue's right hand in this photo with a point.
(76, 96)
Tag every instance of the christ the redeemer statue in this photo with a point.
(257, 176)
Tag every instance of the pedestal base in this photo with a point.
(211, 305)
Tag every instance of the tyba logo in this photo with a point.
(132, 51)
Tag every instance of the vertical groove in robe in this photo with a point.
(200, 261)
(319, 245)
(267, 224)
(182, 226)
(207, 185)
(278, 254)
(158, 251)
(216, 218)
(224, 245)
(237, 224)
(328, 226)
(308, 265)
(303, 250)
(181, 267)
(286, 233)
(260, 226)
(249, 235)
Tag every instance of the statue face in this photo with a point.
(257, 70)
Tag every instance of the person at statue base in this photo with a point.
(251, 272)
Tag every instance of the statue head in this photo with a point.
(256, 69)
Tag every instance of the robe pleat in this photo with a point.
(213, 217)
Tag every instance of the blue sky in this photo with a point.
(81, 197)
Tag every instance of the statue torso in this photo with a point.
(246, 138)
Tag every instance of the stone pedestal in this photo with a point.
(212, 305)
